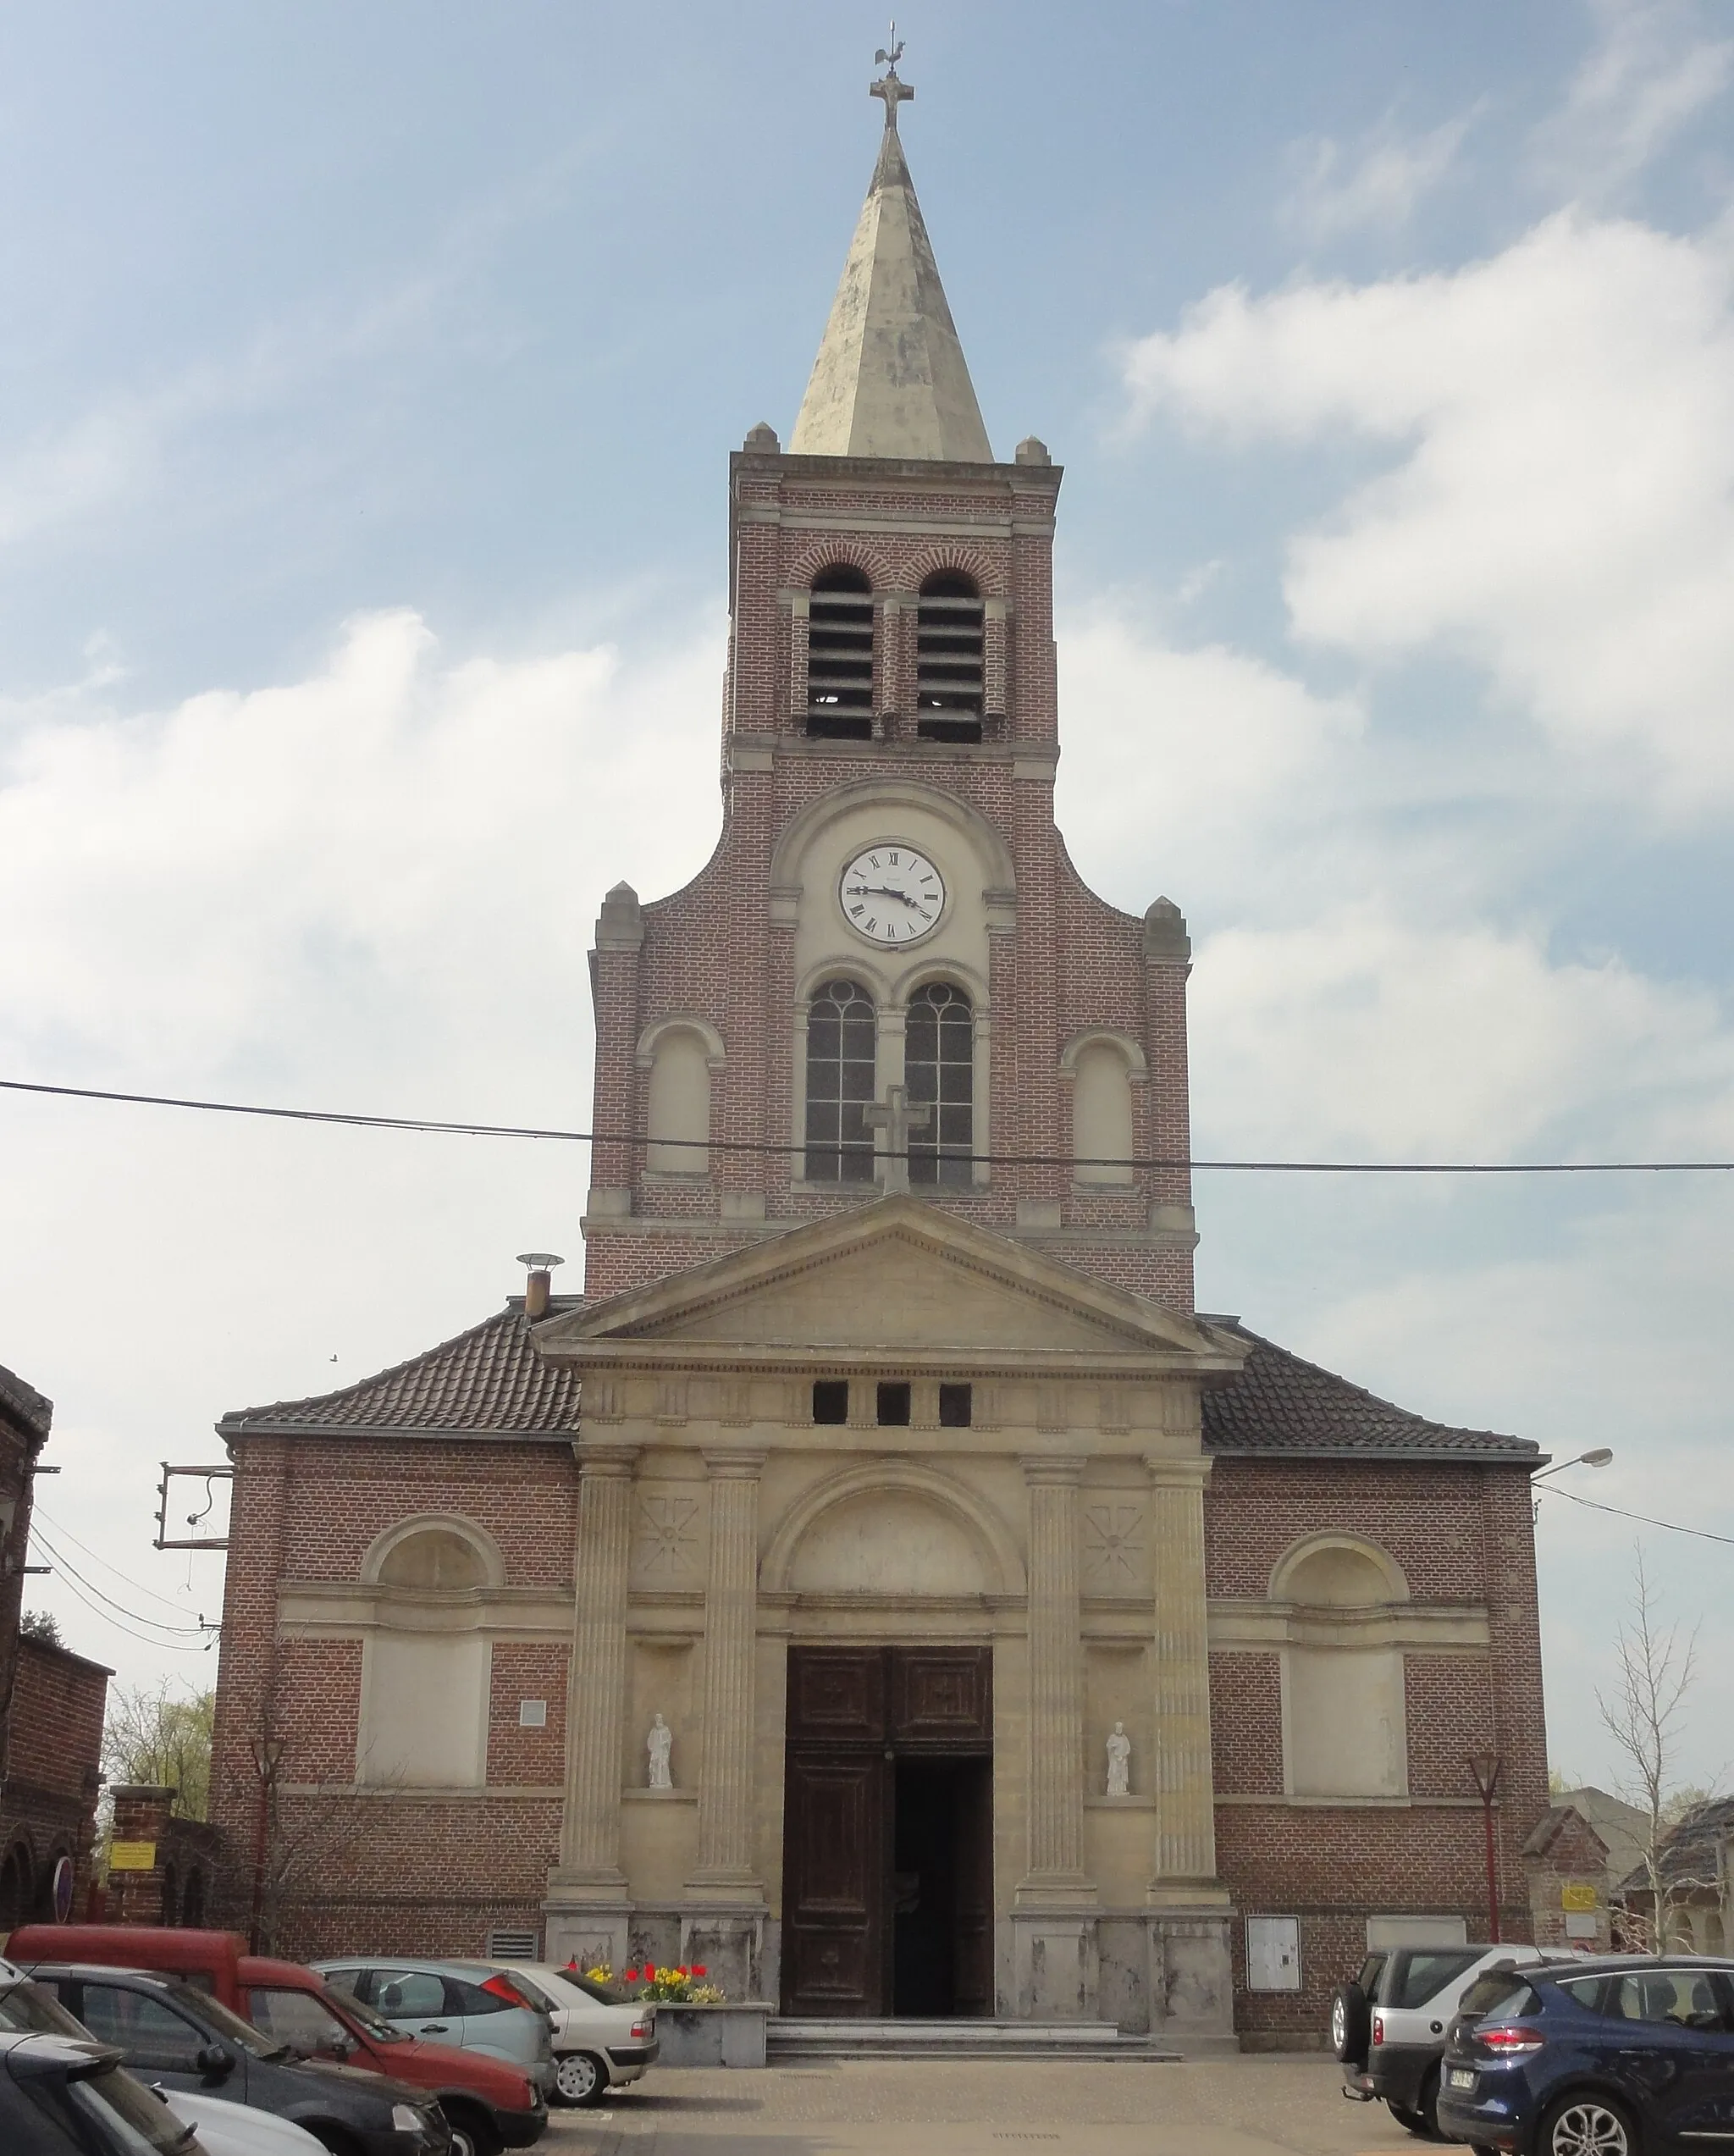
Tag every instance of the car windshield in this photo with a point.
(1495, 1994)
(230, 2027)
(1424, 1975)
(129, 2117)
(26, 2005)
(348, 2007)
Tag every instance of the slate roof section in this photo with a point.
(1280, 1405)
(23, 1406)
(488, 1382)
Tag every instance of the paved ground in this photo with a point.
(1258, 2106)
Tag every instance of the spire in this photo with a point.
(891, 379)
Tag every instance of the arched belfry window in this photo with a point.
(939, 1067)
(840, 655)
(842, 1039)
(948, 658)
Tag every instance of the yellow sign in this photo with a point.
(1579, 1893)
(132, 1856)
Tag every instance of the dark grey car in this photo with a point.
(62, 2096)
(171, 2035)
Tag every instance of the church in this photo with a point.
(881, 1585)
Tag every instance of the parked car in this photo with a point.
(599, 2042)
(488, 2105)
(62, 2096)
(171, 2035)
(1608, 2057)
(469, 2003)
(1389, 2025)
(226, 2129)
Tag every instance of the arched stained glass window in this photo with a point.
(842, 1039)
(939, 1064)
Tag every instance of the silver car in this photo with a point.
(468, 2003)
(599, 2042)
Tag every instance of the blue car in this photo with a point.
(1625, 2055)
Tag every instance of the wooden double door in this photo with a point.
(888, 1832)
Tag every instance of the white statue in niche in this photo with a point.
(661, 1745)
(1119, 1762)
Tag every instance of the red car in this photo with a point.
(489, 2105)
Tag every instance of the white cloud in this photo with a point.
(1377, 184)
(388, 848)
(1653, 67)
(1560, 510)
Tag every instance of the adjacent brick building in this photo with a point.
(51, 1704)
(1031, 1642)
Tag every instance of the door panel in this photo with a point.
(836, 1696)
(941, 1697)
(971, 1952)
(834, 1871)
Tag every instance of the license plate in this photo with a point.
(1459, 2077)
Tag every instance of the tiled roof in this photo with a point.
(23, 1405)
(1280, 1405)
(1691, 1855)
(488, 1382)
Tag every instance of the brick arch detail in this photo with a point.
(988, 572)
(840, 549)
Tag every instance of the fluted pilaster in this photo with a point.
(730, 1641)
(1185, 1823)
(1056, 1679)
(589, 1840)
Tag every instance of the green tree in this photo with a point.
(40, 1624)
(162, 1737)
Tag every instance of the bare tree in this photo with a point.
(1657, 1669)
(305, 1834)
(161, 1738)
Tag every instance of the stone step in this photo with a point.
(787, 2042)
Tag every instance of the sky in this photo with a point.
(367, 383)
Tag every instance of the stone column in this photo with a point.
(1055, 1681)
(730, 1642)
(590, 1838)
(1185, 1821)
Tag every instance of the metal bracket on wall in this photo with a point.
(207, 1476)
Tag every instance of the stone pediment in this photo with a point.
(898, 1277)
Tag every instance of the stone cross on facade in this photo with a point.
(896, 1119)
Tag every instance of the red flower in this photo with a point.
(698, 1971)
(631, 1976)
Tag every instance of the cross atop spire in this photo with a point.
(891, 85)
(890, 380)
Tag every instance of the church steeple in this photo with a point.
(891, 379)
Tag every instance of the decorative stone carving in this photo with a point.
(1113, 1544)
(1119, 1762)
(666, 1544)
(660, 1746)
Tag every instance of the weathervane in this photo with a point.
(891, 85)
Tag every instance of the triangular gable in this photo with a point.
(897, 1274)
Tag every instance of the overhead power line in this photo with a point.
(639, 1141)
(1671, 1526)
(67, 1570)
(39, 1515)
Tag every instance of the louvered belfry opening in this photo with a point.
(939, 1065)
(948, 659)
(840, 655)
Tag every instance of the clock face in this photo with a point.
(891, 894)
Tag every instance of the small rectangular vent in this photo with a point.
(512, 1946)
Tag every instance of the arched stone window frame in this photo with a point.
(645, 1060)
(1137, 1065)
(995, 1544)
(1317, 1634)
(941, 972)
(458, 1523)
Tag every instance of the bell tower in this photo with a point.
(889, 975)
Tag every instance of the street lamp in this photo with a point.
(1485, 1765)
(1597, 1456)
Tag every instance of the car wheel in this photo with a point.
(580, 2077)
(1411, 2121)
(1351, 2024)
(1587, 2125)
(472, 2133)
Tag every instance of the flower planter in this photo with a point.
(712, 2036)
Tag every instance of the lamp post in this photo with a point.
(1597, 1457)
(1485, 1765)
